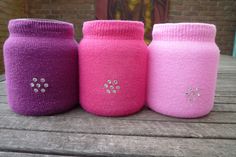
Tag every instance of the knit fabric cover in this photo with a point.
(41, 66)
(112, 67)
(182, 72)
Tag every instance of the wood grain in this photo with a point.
(95, 125)
(110, 145)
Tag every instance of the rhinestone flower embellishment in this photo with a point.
(111, 87)
(39, 85)
(192, 94)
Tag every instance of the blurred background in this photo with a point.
(222, 13)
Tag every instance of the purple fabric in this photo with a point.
(41, 66)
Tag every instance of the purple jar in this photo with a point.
(40, 59)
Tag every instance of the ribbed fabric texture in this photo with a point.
(183, 60)
(41, 66)
(184, 32)
(40, 28)
(114, 29)
(112, 67)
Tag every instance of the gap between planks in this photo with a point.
(16, 153)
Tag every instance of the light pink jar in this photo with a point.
(182, 72)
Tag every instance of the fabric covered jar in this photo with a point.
(183, 60)
(41, 66)
(112, 67)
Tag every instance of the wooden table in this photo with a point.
(78, 133)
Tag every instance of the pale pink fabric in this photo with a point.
(112, 51)
(182, 57)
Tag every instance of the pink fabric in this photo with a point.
(183, 61)
(115, 51)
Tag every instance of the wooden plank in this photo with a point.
(3, 99)
(226, 82)
(2, 92)
(224, 108)
(226, 72)
(225, 60)
(226, 77)
(225, 94)
(2, 77)
(2, 88)
(226, 99)
(230, 71)
(226, 89)
(222, 73)
(112, 126)
(112, 145)
(24, 154)
(225, 68)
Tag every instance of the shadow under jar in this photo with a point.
(41, 66)
(112, 67)
(183, 60)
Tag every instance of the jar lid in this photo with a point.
(113, 29)
(184, 32)
(40, 27)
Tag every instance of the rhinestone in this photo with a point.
(32, 84)
(35, 79)
(36, 90)
(108, 91)
(115, 82)
(43, 90)
(109, 81)
(46, 85)
(42, 80)
(111, 87)
(105, 85)
(114, 91)
(117, 87)
(192, 93)
(38, 85)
